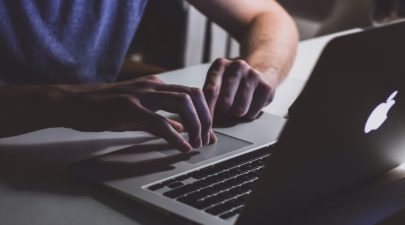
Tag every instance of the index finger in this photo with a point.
(180, 103)
(200, 105)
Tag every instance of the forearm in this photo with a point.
(26, 109)
(269, 44)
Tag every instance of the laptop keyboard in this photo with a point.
(220, 189)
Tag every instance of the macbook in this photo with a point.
(346, 128)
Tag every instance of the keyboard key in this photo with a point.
(215, 199)
(208, 191)
(182, 177)
(191, 198)
(201, 183)
(223, 207)
(236, 170)
(200, 204)
(219, 188)
(195, 202)
(224, 175)
(156, 187)
(198, 174)
(232, 213)
(236, 191)
(247, 186)
(175, 184)
(168, 182)
(205, 172)
(228, 215)
(214, 179)
(242, 198)
(181, 191)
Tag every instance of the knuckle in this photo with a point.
(265, 88)
(252, 76)
(154, 79)
(124, 100)
(226, 102)
(209, 123)
(211, 90)
(239, 63)
(161, 122)
(146, 84)
(247, 87)
(268, 91)
(220, 62)
(124, 104)
(184, 98)
(196, 92)
(270, 97)
(237, 68)
(217, 65)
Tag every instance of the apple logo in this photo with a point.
(379, 114)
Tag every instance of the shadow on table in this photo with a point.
(134, 161)
(45, 168)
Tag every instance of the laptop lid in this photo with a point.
(346, 127)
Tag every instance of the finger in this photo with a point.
(176, 125)
(245, 93)
(230, 83)
(161, 127)
(213, 137)
(200, 105)
(263, 96)
(180, 103)
(152, 79)
(137, 117)
(212, 85)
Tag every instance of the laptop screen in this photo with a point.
(346, 128)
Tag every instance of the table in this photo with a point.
(36, 187)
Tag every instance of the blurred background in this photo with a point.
(173, 34)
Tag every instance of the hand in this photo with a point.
(235, 89)
(131, 105)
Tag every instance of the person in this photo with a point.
(388, 10)
(59, 61)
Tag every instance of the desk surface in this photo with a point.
(37, 189)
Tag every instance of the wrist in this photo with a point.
(271, 74)
(30, 108)
(57, 101)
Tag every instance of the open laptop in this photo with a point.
(344, 129)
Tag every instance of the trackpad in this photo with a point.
(224, 145)
(149, 158)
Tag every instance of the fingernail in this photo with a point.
(213, 137)
(186, 147)
(239, 112)
(199, 142)
(206, 139)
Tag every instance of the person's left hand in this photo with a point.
(233, 89)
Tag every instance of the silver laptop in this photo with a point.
(345, 128)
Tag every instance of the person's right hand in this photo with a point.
(132, 105)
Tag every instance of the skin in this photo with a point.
(268, 37)
(386, 10)
(233, 88)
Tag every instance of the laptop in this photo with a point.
(345, 128)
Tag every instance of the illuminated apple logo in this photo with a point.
(379, 114)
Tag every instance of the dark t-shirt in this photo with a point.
(65, 41)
